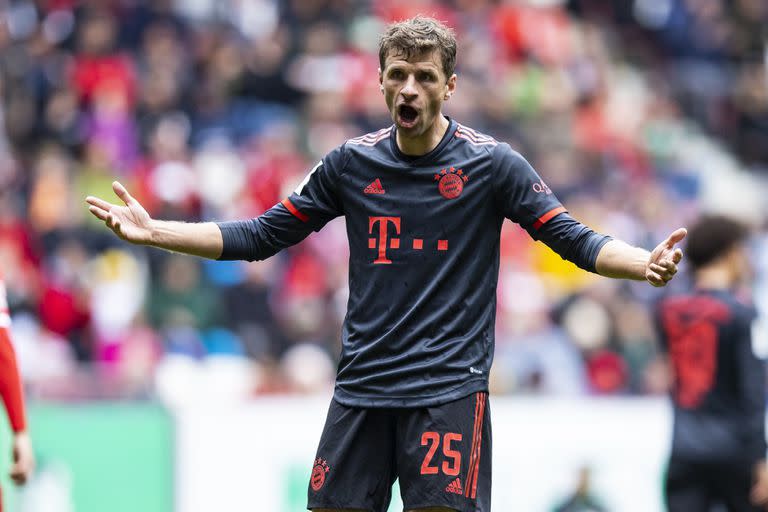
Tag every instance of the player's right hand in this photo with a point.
(130, 222)
(23, 458)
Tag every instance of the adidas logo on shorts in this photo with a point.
(455, 487)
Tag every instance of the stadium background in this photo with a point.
(159, 382)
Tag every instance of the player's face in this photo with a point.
(414, 90)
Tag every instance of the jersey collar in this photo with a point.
(447, 136)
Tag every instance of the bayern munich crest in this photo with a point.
(318, 474)
(450, 182)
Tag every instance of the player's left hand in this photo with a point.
(662, 264)
(23, 458)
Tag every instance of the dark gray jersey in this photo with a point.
(424, 256)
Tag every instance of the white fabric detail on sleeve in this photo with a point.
(304, 182)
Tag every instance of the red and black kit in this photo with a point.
(441, 454)
(424, 236)
(719, 400)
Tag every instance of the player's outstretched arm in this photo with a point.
(620, 260)
(132, 223)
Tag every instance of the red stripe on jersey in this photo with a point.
(547, 216)
(296, 213)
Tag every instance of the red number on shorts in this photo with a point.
(455, 455)
(434, 439)
(451, 468)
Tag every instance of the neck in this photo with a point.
(426, 142)
(713, 278)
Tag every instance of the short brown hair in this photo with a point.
(419, 35)
(712, 236)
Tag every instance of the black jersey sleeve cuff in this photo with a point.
(572, 240)
(239, 240)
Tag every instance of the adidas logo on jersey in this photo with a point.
(455, 487)
(374, 188)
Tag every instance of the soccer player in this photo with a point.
(13, 398)
(424, 201)
(718, 448)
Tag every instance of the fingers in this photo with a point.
(113, 223)
(98, 213)
(654, 278)
(100, 203)
(98, 207)
(666, 266)
(666, 272)
(102, 210)
(676, 237)
(659, 274)
(105, 215)
(122, 193)
(20, 471)
(18, 475)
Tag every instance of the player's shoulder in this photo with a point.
(739, 306)
(369, 140)
(474, 139)
(371, 146)
(722, 305)
(501, 152)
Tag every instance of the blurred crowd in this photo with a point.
(638, 114)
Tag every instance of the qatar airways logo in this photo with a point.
(379, 228)
(540, 187)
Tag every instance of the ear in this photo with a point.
(381, 80)
(450, 86)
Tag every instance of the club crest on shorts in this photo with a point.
(450, 182)
(318, 474)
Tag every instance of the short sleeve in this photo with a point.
(519, 192)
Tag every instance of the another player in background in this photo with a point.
(424, 201)
(718, 448)
(13, 398)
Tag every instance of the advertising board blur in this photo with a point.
(236, 457)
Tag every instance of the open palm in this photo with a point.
(130, 222)
(662, 264)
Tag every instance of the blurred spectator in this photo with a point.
(582, 499)
(639, 114)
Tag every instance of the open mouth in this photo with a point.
(407, 115)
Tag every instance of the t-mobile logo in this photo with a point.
(385, 242)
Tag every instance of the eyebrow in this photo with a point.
(419, 69)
